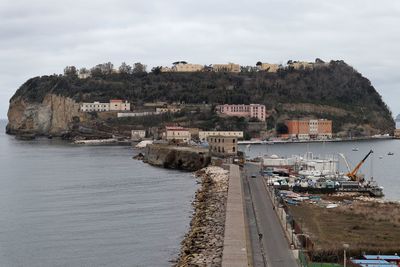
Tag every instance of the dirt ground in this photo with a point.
(366, 226)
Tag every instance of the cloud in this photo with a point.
(42, 37)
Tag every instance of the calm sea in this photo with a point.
(68, 205)
(384, 168)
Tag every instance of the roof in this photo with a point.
(116, 100)
(175, 128)
(382, 257)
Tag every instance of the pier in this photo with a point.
(235, 252)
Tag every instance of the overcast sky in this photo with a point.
(43, 36)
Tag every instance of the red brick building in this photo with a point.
(309, 129)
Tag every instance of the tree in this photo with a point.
(125, 68)
(102, 69)
(70, 71)
(156, 70)
(258, 63)
(83, 71)
(107, 68)
(139, 68)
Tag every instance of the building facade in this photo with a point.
(301, 65)
(252, 111)
(268, 67)
(113, 105)
(230, 67)
(309, 129)
(177, 133)
(95, 106)
(119, 105)
(171, 109)
(222, 146)
(204, 134)
(183, 66)
(137, 135)
(186, 67)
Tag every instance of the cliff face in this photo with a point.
(54, 115)
(182, 158)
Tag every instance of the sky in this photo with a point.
(41, 37)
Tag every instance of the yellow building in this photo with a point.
(186, 67)
(222, 146)
(230, 67)
(268, 67)
(183, 66)
(166, 69)
(204, 134)
(301, 65)
(119, 105)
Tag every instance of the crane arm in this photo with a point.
(353, 173)
(345, 161)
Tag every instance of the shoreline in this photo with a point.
(314, 141)
(203, 243)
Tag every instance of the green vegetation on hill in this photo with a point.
(336, 85)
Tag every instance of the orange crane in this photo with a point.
(353, 174)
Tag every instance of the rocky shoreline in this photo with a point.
(203, 244)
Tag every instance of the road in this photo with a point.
(273, 244)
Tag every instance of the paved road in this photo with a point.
(273, 242)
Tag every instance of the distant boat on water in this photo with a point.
(390, 153)
(355, 149)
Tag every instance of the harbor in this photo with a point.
(379, 165)
(310, 174)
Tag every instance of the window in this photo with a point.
(233, 140)
(233, 149)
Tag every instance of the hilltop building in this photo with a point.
(268, 67)
(300, 65)
(251, 111)
(222, 146)
(230, 67)
(183, 66)
(309, 129)
(204, 134)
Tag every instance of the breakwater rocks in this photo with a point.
(203, 244)
(187, 158)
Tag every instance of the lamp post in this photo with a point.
(293, 238)
(345, 246)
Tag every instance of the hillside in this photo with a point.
(335, 91)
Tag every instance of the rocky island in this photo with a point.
(50, 105)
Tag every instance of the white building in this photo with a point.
(113, 105)
(138, 134)
(177, 133)
(204, 134)
(170, 109)
(95, 106)
(135, 114)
